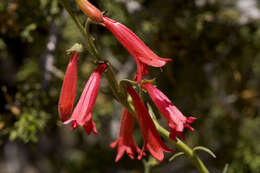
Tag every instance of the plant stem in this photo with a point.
(66, 5)
(147, 168)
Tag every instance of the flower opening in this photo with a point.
(125, 141)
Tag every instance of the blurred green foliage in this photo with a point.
(28, 125)
(214, 76)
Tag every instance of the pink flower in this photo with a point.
(134, 45)
(152, 140)
(125, 141)
(82, 113)
(68, 91)
(176, 120)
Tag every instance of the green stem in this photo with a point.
(66, 5)
(149, 164)
(91, 46)
(113, 83)
(147, 167)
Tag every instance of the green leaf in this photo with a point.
(204, 149)
(175, 156)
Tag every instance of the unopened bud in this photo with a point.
(90, 10)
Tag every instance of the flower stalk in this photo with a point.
(122, 97)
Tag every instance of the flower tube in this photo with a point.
(152, 141)
(68, 91)
(176, 120)
(135, 46)
(82, 114)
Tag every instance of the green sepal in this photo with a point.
(75, 48)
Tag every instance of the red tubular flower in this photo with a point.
(90, 10)
(152, 140)
(82, 113)
(125, 141)
(134, 45)
(176, 120)
(68, 91)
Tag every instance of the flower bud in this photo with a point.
(90, 10)
(68, 91)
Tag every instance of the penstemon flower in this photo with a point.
(68, 91)
(152, 140)
(145, 58)
(82, 115)
(135, 46)
(125, 141)
(177, 121)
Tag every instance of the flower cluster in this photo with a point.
(145, 58)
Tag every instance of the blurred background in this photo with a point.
(214, 76)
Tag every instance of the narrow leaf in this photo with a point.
(204, 149)
(176, 155)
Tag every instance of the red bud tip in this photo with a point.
(90, 10)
